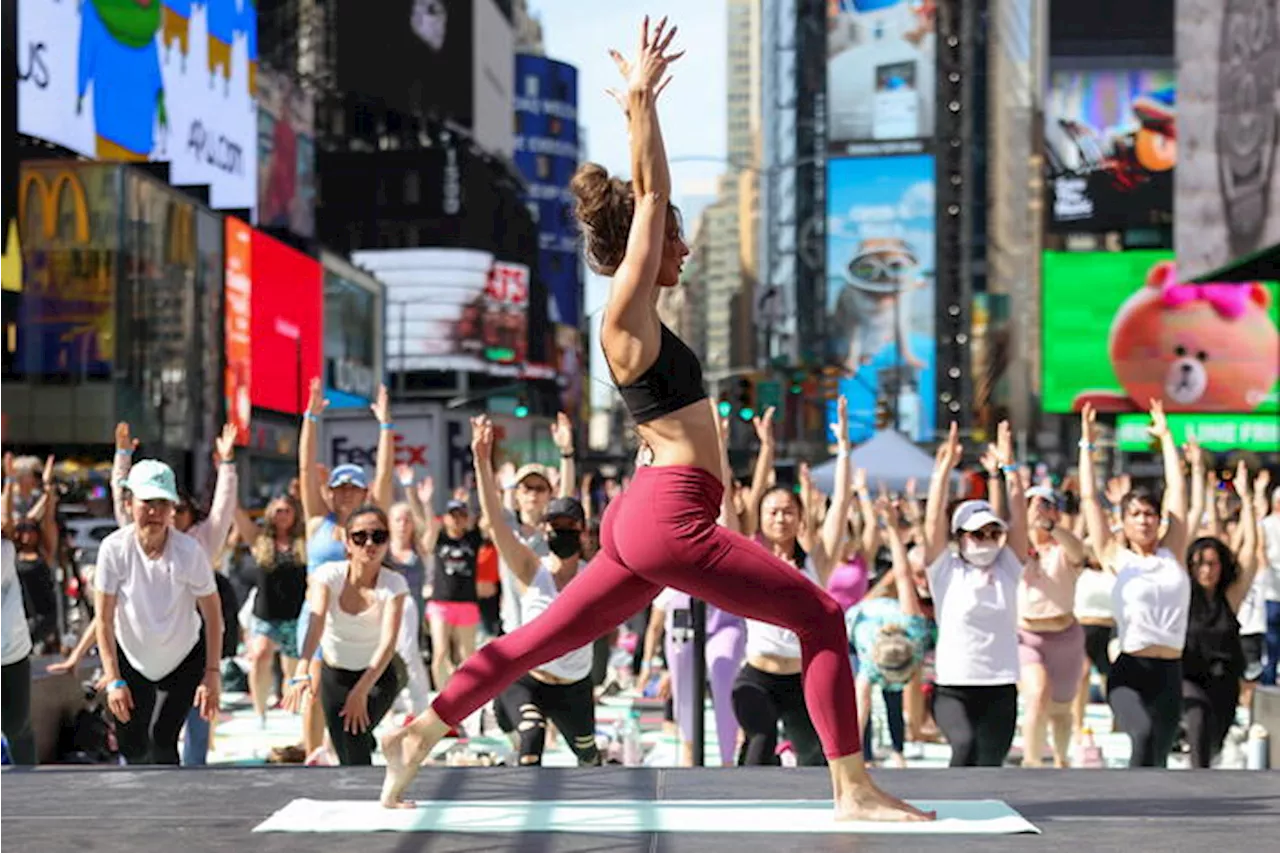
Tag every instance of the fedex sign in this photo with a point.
(351, 437)
(343, 450)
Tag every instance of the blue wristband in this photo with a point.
(1009, 469)
(388, 425)
(120, 451)
(310, 417)
(117, 684)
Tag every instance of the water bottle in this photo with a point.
(632, 755)
(1088, 753)
(1255, 750)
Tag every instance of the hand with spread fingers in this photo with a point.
(648, 73)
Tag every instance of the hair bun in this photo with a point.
(604, 206)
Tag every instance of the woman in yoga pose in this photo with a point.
(662, 531)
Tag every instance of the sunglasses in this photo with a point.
(360, 538)
(986, 535)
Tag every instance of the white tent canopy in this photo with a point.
(888, 457)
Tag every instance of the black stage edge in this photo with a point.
(215, 809)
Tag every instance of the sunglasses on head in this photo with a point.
(360, 538)
(987, 535)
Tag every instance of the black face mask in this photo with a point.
(565, 543)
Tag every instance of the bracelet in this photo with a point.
(994, 475)
(216, 669)
(387, 425)
(1009, 469)
(117, 684)
(569, 455)
(1086, 445)
(123, 451)
(310, 417)
(227, 462)
(299, 679)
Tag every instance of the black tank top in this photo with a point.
(455, 574)
(673, 381)
(1213, 648)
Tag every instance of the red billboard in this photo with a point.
(238, 331)
(287, 307)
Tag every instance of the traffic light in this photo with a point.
(725, 407)
(884, 414)
(746, 399)
(522, 408)
(797, 381)
(830, 383)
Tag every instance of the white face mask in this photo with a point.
(981, 555)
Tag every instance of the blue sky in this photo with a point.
(692, 107)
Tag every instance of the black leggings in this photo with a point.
(15, 711)
(1145, 695)
(978, 722)
(897, 724)
(1208, 710)
(571, 707)
(160, 708)
(761, 700)
(1097, 640)
(335, 685)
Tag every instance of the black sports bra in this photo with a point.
(673, 381)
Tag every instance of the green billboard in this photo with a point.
(1259, 433)
(1119, 329)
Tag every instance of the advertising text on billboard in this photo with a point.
(880, 72)
(880, 292)
(1228, 193)
(1121, 328)
(1257, 433)
(1110, 149)
(286, 155)
(170, 81)
(238, 334)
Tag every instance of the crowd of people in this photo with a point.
(511, 593)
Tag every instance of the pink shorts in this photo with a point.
(459, 614)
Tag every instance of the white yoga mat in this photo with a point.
(955, 817)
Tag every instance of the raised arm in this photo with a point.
(1175, 483)
(862, 504)
(6, 498)
(430, 522)
(49, 518)
(1247, 555)
(908, 598)
(763, 473)
(728, 512)
(645, 82)
(936, 523)
(836, 523)
(222, 512)
(995, 494)
(518, 556)
(562, 435)
(1096, 523)
(1195, 458)
(381, 492)
(125, 447)
(309, 485)
(1017, 509)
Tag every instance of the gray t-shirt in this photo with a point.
(537, 542)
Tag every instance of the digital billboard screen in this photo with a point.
(237, 326)
(880, 289)
(1227, 190)
(171, 81)
(1110, 149)
(286, 155)
(880, 71)
(1120, 329)
(353, 317)
(286, 316)
(451, 309)
(425, 48)
(547, 154)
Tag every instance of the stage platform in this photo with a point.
(121, 810)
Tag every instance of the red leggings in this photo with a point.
(663, 532)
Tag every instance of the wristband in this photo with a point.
(216, 669)
(117, 684)
(387, 425)
(227, 462)
(1089, 446)
(1009, 469)
(122, 451)
(569, 455)
(299, 679)
(310, 417)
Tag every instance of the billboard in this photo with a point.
(1121, 328)
(1227, 192)
(432, 44)
(451, 309)
(171, 81)
(69, 216)
(237, 330)
(546, 152)
(286, 155)
(569, 360)
(1110, 149)
(353, 319)
(493, 58)
(880, 291)
(1257, 433)
(286, 310)
(880, 71)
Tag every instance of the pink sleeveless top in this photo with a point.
(1048, 587)
(847, 583)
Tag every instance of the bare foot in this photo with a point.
(867, 802)
(897, 760)
(404, 754)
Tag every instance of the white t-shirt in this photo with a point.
(13, 615)
(1271, 549)
(509, 607)
(1152, 597)
(766, 639)
(1253, 610)
(350, 640)
(156, 622)
(1093, 595)
(977, 614)
(537, 597)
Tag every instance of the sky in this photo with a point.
(692, 108)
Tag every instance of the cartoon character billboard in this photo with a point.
(880, 292)
(1111, 144)
(1122, 328)
(130, 81)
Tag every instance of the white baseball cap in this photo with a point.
(975, 515)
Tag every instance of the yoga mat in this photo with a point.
(955, 817)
